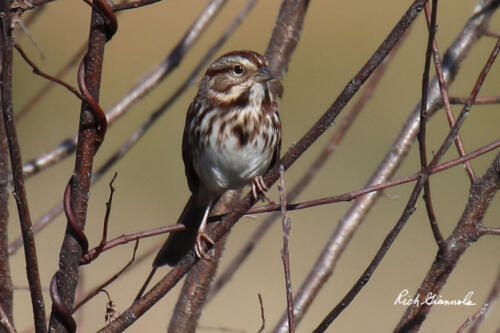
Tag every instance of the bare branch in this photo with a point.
(423, 123)
(444, 93)
(107, 282)
(20, 195)
(285, 255)
(133, 4)
(488, 304)
(38, 71)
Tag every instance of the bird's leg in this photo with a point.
(259, 189)
(201, 235)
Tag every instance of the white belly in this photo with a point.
(228, 164)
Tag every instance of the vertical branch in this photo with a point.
(286, 35)
(285, 253)
(5, 278)
(17, 173)
(423, 124)
(90, 135)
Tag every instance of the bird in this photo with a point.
(232, 137)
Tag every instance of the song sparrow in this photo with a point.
(232, 136)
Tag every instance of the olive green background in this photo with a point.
(337, 39)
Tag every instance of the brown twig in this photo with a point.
(107, 282)
(423, 122)
(41, 73)
(146, 85)
(6, 288)
(19, 193)
(479, 101)
(262, 316)
(488, 304)
(106, 218)
(489, 231)
(444, 93)
(28, 106)
(472, 318)
(133, 4)
(348, 224)
(285, 254)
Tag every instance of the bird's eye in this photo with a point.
(238, 70)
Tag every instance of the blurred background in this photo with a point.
(337, 39)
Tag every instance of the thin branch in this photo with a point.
(482, 310)
(489, 231)
(20, 195)
(107, 282)
(285, 255)
(479, 101)
(73, 61)
(133, 4)
(145, 86)
(262, 316)
(488, 305)
(423, 123)
(444, 93)
(6, 288)
(39, 72)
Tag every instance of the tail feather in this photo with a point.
(179, 243)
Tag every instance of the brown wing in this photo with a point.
(187, 150)
(277, 150)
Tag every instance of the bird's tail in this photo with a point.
(179, 243)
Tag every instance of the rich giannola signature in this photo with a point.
(404, 298)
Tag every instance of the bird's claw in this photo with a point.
(199, 248)
(259, 189)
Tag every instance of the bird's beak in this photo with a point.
(263, 75)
